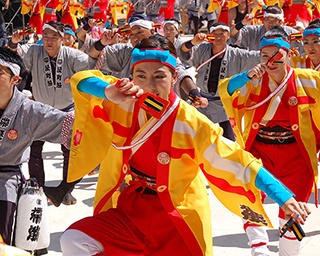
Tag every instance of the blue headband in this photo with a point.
(154, 54)
(276, 41)
(69, 32)
(311, 31)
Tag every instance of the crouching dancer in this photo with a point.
(142, 128)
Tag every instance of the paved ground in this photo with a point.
(229, 238)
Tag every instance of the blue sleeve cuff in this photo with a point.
(94, 86)
(237, 81)
(274, 188)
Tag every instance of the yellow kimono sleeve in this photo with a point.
(233, 114)
(92, 132)
(26, 7)
(232, 4)
(214, 5)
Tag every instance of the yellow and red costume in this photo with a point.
(35, 15)
(298, 109)
(302, 62)
(68, 16)
(190, 144)
(50, 9)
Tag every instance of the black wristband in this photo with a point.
(86, 27)
(195, 92)
(239, 25)
(188, 44)
(98, 46)
(12, 45)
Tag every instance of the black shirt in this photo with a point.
(214, 75)
(239, 16)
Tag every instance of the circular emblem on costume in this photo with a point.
(161, 188)
(46, 59)
(255, 126)
(67, 80)
(163, 158)
(294, 127)
(12, 134)
(59, 61)
(293, 101)
(124, 168)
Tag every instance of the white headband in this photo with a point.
(223, 27)
(174, 23)
(277, 16)
(52, 28)
(15, 69)
(142, 23)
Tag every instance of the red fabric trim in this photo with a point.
(306, 100)
(249, 224)
(254, 97)
(258, 244)
(126, 156)
(260, 111)
(289, 237)
(236, 105)
(159, 49)
(162, 179)
(308, 63)
(120, 130)
(98, 112)
(157, 61)
(316, 195)
(294, 119)
(225, 186)
(178, 152)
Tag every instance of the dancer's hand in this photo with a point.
(123, 91)
(257, 71)
(292, 206)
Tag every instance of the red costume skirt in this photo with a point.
(138, 226)
(286, 162)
